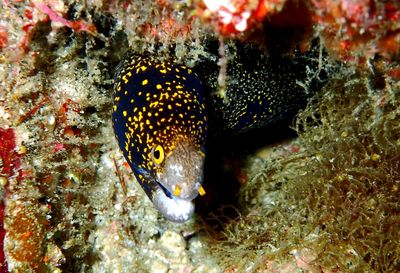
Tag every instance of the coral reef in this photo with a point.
(234, 17)
(358, 30)
(325, 201)
(9, 162)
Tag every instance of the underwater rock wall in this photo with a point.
(325, 201)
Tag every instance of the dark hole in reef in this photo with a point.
(99, 44)
(90, 110)
(378, 82)
(283, 30)
(74, 14)
(104, 23)
(226, 158)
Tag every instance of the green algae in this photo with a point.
(333, 205)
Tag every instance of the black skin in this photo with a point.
(273, 76)
(227, 147)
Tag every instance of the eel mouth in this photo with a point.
(173, 208)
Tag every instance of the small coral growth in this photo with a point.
(334, 205)
(357, 30)
(25, 235)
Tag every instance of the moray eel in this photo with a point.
(160, 123)
(261, 90)
(160, 117)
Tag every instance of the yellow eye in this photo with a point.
(158, 154)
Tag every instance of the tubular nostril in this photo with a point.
(177, 191)
(201, 190)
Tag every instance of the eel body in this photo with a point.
(160, 118)
(261, 90)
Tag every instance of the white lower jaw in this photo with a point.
(174, 209)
